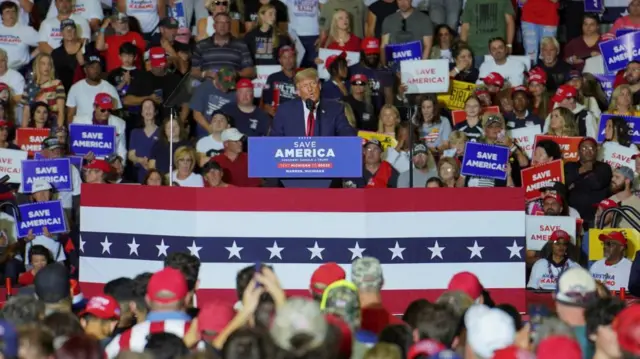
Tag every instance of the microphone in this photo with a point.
(308, 103)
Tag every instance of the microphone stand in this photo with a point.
(410, 117)
(175, 98)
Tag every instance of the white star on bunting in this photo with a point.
(82, 244)
(475, 250)
(316, 251)
(356, 252)
(162, 248)
(106, 245)
(194, 249)
(397, 251)
(514, 250)
(133, 247)
(436, 250)
(234, 250)
(274, 251)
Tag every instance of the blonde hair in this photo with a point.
(306, 74)
(333, 29)
(456, 137)
(453, 162)
(184, 151)
(392, 109)
(383, 351)
(349, 114)
(548, 40)
(568, 123)
(613, 104)
(36, 70)
(275, 33)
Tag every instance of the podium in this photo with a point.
(305, 162)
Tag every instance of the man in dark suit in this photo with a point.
(634, 276)
(307, 116)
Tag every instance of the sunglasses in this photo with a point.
(610, 243)
(102, 110)
(561, 242)
(358, 83)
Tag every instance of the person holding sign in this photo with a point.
(103, 104)
(407, 25)
(42, 192)
(307, 116)
(557, 255)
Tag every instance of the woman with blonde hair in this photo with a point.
(449, 172)
(340, 36)
(583, 84)
(205, 25)
(44, 87)
(456, 143)
(184, 161)
(264, 41)
(562, 123)
(389, 120)
(622, 101)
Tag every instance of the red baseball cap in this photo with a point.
(555, 196)
(426, 347)
(103, 101)
(512, 352)
(559, 235)
(5, 123)
(494, 79)
(519, 89)
(559, 346)
(103, 307)
(167, 286)
(614, 236)
(284, 49)
(606, 204)
(466, 282)
(244, 84)
(361, 79)
(157, 57)
(3, 86)
(564, 92)
(333, 58)
(370, 45)
(627, 327)
(213, 317)
(326, 275)
(101, 165)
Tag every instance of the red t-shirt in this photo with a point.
(113, 49)
(541, 12)
(376, 317)
(352, 45)
(236, 172)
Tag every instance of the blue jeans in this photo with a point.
(310, 53)
(532, 35)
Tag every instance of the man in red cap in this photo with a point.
(280, 87)
(553, 205)
(96, 171)
(566, 96)
(494, 82)
(247, 117)
(360, 103)
(324, 276)
(380, 78)
(613, 270)
(167, 300)
(509, 68)
(103, 105)
(603, 206)
(100, 317)
(469, 284)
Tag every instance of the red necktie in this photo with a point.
(311, 121)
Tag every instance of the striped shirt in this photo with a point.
(135, 338)
(207, 56)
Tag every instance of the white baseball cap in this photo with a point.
(40, 185)
(488, 329)
(576, 287)
(231, 134)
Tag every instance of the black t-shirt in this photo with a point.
(145, 84)
(557, 74)
(473, 133)
(115, 77)
(381, 9)
(161, 154)
(262, 48)
(284, 84)
(65, 65)
(251, 8)
(366, 119)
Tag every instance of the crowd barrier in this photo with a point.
(421, 236)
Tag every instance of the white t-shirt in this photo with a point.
(512, 71)
(194, 180)
(545, 276)
(146, 12)
(23, 16)
(303, 16)
(56, 248)
(615, 276)
(82, 95)
(209, 146)
(88, 9)
(15, 41)
(76, 182)
(50, 30)
(15, 81)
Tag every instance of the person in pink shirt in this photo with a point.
(631, 21)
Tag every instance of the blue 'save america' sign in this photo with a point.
(483, 160)
(36, 216)
(396, 53)
(55, 171)
(101, 140)
(305, 157)
(617, 53)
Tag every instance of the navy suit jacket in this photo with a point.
(634, 276)
(330, 120)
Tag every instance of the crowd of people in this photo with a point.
(184, 83)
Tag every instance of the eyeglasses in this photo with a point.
(102, 110)
(404, 24)
(610, 244)
(221, 3)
